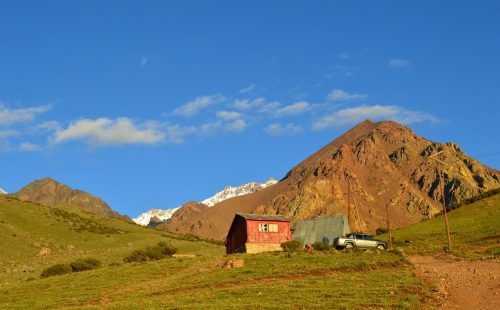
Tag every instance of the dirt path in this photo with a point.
(462, 284)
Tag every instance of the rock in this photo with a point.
(26, 268)
(233, 263)
(45, 252)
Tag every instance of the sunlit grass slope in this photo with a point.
(28, 229)
(266, 281)
(475, 231)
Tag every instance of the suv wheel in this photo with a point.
(380, 247)
(349, 246)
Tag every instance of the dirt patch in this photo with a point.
(462, 284)
(489, 238)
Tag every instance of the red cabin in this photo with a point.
(252, 233)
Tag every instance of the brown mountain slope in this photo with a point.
(385, 162)
(52, 193)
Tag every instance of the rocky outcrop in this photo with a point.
(52, 193)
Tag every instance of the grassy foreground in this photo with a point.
(270, 281)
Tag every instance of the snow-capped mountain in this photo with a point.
(233, 191)
(226, 193)
(2, 192)
(145, 217)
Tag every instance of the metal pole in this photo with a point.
(441, 181)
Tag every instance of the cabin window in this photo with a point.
(264, 227)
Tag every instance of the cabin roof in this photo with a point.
(263, 217)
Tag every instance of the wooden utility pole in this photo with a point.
(441, 183)
(352, 212)
(388, 226)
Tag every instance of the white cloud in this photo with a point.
(8, 133)
(277, 129)
(344, 56)
(229, 115)
(11, 116)
(104, 131)
(177, 133)
(270, 107)
(219, 126)
(339, 71)
(355, 115)
(246, 104)
(292, 109)
(28, 147)
(193, 107)
(340, 95)
(237, 126)
(247, 89)
(144, 61)
(399, 63)
(48, 126)
(209, 128)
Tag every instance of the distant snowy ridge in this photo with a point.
(145, 217)
(226, 193)
(230, 191)
(2, 192)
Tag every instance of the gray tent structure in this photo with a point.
(313, 230)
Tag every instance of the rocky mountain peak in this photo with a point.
(376, 164)
(50, 192)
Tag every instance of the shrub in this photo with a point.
(381, 230)
(56, 270)
(291, 246)
(159, 251)
(85, 264)
(321, 246)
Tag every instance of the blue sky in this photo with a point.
(150, 104)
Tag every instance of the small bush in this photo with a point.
(495, 251)
(291, 246)
(56, 270)
(381, 230)
(321, 246)
(85, 264)
(159, 251)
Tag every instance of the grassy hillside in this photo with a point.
(29, 229)
(475, 231)
(330, 280)
(266, 281)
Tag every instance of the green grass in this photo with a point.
(271, 280)
(331, 280)
(475, 230)
(72, 233)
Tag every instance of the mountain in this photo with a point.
(228, 192)
(144, 218)
(385, 163)
(52, 193)
(234, 191)
(2, 192)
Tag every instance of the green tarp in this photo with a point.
(313, 230)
